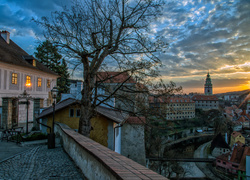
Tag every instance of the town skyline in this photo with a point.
(202, 36)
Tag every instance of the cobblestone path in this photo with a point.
(40, 163)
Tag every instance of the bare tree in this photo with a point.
(93, 31)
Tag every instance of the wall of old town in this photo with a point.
(99, 162)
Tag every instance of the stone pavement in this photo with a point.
(36, 162)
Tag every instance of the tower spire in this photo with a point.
(208, 87)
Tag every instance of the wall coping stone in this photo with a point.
(119, 166)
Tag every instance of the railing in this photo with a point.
(99, 162)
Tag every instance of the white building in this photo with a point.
(21, 72)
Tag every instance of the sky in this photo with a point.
(203, 36)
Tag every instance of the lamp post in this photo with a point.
(51, 137)
(26, 96)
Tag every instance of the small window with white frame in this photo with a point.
(39, 82)
(14, 78)
(48, 83)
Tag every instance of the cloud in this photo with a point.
(202, 35)
(205, 36)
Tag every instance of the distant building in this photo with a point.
(219, 146)
(208, 87)
(235, 162)
(206, 102)
(235, 137)
(121, 90)
(248, 107)
(173, 108)
(75, 90)
(21, 72)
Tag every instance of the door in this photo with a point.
(14, 112)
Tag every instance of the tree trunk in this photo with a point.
(87, 108)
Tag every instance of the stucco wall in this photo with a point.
(98, 162)
(7, 89)
(133, 143)
(62, 116)
(236, 139)
(99, 133)
(100, 125)
(219, 151)
(89, 165)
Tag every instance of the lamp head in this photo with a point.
(54, 92)
(28, 85)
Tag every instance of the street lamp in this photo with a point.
(51, 137)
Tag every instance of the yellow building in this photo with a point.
(235, 137)
(102, 125)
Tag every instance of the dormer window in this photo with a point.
(34, 63)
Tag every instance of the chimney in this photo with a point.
(6, 36)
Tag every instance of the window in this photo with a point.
(28, 81)
(39, 82)
(34, 63)
(78, 112)
(14, 78)
(48, 83)
(71, 112)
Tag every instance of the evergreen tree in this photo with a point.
(48, 55)
(63, 82)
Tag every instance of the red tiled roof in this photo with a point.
(239, 143)
(246, 152)
(237, 154)
(136, 120)
(171, 99)
(224, 157)
(235, 134)
(204, 97)
(112, 114)
(114, 77)
(242, 119)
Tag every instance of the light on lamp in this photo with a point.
(54, 92)
(28, 84)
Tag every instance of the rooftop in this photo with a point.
(12, 54)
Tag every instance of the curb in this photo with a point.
(38, 142)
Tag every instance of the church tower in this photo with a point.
(208, 87)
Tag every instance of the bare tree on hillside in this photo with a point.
(116, 31)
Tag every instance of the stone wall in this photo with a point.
(98, 162)
(132, 143)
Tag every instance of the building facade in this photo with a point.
(173, 108)
(111, 128)
(19, 73)
(206, 102)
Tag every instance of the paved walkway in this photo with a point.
(201, 153)
(36, 162)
